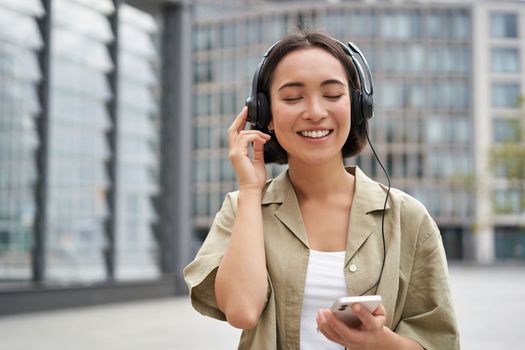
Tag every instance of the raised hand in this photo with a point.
(251, 173)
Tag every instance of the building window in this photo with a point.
(509, 201)
(403, 58)
(227, 102)
(505, 95)
(506, 130)
(452, 242)
(402, 25)
(448, 59)
(413, 95)
(449, 130)
(335, 23)
(201, 170)
(449, 94)
(508, 162)
(397, 94)
(448, 25)
(203, 104)
(460, 130)
(391, 94)
(460, 25)
(510, 243)
(227, 35)
(203, 38)
(202, 137)
(273, 28)
(201, 204)
(227, 70)
(203, 72)
(362, 24)
(505, 60)
(254, 35)
(503, 25)
(227, 172)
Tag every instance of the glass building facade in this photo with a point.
(20, 74)
(138, 144)
(78, 151)
(102, 126)
(422, 59)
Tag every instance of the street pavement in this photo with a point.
(490, 306)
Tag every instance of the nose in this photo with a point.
(315, 109)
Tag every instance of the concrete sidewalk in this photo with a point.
(490, 306)
(489, 302)
(160, 324)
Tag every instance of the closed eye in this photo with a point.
(292, 99)
(333, 97)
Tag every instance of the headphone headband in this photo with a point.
(353, 47)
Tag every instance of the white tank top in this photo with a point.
(325, 282)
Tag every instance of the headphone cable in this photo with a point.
(384, 210)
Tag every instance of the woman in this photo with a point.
(281, 251)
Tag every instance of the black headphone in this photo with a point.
(362, 101)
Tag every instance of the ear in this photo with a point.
(270, 126)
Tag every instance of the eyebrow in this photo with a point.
(299, 84)
(291, 84)
(332, 81)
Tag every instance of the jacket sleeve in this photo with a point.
(200, 273)
(428, 316)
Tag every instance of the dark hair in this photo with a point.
(273, 151)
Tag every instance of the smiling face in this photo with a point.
(310, 104)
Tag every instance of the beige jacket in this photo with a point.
(414, 284)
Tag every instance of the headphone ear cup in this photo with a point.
(367, 106)
(263, 111)
(357, 107)
(251, 103)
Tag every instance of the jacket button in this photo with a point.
(352, 268)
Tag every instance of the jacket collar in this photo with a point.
(369, 196)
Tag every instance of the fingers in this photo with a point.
(326, 326)
(239, 144)
(239, 122)
(367, 332)
(250, 170)
(237, 128)
(247, 136)
(367, 318)
(335, 329)
(258, 151)
(379, 311)
(323, 325)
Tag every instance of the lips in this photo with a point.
(315, 134)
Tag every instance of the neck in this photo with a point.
(320, 181)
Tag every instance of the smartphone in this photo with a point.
(342, 308)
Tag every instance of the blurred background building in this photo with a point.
(113, 118)
(81, 137)
(447, 75)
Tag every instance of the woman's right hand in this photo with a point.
(251, 173)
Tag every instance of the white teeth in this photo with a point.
(315, 134)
